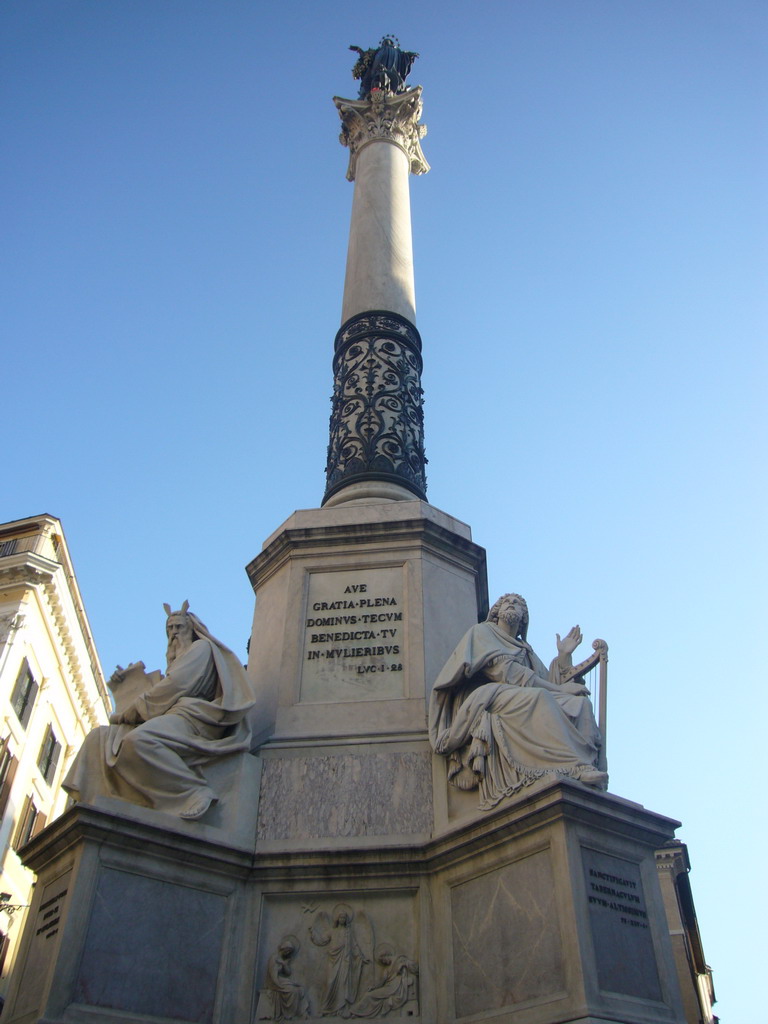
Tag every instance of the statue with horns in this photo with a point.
(165, 729)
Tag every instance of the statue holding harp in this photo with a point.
(504, 720)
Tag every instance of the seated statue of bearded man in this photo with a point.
(503, 720)
(152, 752)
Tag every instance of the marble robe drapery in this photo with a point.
(195, 714)
(282, 999)
(394, 991)
(345, 966)
(499, 728)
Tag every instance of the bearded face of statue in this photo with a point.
(512, 614)
(180, 635)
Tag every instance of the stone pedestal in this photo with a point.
(357, 608)
(135, 917)
(547, 910)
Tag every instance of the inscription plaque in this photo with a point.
(44, 945)
(618, 916)
(353, 636)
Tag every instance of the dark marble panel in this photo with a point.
(507, 947)
(153, 947)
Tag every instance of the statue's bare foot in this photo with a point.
(198, 808)
(593, 777)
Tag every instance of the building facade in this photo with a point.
(693, 972)
(52, 693)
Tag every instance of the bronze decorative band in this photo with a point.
(377, 416)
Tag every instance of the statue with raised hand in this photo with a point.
(503, 719)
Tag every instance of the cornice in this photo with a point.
(388, 536)
(60, 619)
(564, 802)
(31, 569)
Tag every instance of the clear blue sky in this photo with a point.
(590, 269)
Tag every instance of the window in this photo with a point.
(24, 693)
(49, 755)
(8, 765)
(30, 823)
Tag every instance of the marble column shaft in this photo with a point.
(376, 448)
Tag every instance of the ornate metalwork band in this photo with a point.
(377, 418)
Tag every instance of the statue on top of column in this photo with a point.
(385, 68)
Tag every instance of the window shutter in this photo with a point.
(24, 693)
(48, 758)
(30, 823)
(20, 835)
(7, 774)
(31, 694)
(55, 754)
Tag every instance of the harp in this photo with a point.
(598, 659)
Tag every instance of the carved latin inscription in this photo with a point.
(44, 946)
(618, 915)
(50, 912)
(353, 636)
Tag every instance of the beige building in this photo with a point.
(52, 693)
(693, 972)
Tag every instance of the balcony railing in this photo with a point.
(16, 545)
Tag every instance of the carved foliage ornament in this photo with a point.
(387, 117)
(377, 419)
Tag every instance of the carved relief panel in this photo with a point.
(329, 957)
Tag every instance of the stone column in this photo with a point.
(376, 449)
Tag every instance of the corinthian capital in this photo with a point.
(386, 117)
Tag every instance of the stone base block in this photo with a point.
(236, 780)
(357, 609)
(232, 819)
(133, 918)
(546, 911)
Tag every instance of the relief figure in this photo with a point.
(347, 939)
(396, 988)
(282, 998)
